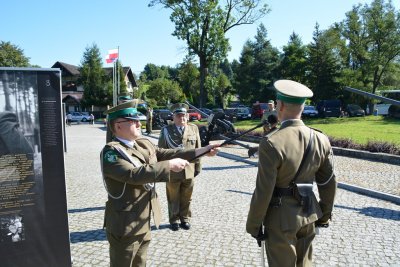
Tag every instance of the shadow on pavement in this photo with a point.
(375, 212)
(88, 236)
(226, 167)
(240, 192)
(85, 209)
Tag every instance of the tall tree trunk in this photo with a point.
(203, 75)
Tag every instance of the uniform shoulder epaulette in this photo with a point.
(315, 129)
(112, 143)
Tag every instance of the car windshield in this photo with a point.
(309, 108)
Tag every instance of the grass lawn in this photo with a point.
(360, 130)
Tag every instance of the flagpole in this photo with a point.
(118, 73)
(114, 89)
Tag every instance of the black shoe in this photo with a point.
(185, 225)
(174, 226)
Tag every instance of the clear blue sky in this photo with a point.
(50, 31)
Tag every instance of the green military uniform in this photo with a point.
(180, 187)
(289, 228)
(265, 116)
(149, 121)
(130, 171)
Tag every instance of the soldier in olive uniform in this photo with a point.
(109, 133)
(181, 134)
(271, 111)
(279, 202)
(131, 165)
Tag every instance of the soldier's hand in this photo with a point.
(177, 164)
(261, 236)
(211, 149)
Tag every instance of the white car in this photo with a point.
(309, 111)
(77, 116)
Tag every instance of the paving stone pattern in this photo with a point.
(364, 231)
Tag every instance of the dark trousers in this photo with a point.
(128, 251)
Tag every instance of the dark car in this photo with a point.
(329, 108)
(309, 111)
(206, 111)
(394, 111)
(355, 110)
(242, 113)
(165, 114)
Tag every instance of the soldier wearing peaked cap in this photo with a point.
(181, 134)
(121, 100)
(131, 165)
(290, 160)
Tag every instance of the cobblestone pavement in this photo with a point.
(365, 230)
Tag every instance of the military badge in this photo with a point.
(110, 156)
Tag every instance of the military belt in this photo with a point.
(280, 192)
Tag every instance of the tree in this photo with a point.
(152, 72)
(164, 91)
(188, 77)
(293, 64)
(93, 79)
(323, 67)
(12, 56)
(373, 37)
(203, 25)
(258, 69)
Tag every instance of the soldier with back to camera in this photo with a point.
(290, 160)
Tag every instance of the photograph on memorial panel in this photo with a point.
(26, 209)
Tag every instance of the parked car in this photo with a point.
(242, 113)
(194, 115)
(309, 111)
(79, 117)
(354, 110)
(206, 111)
(329, 108)
(165, 114)
(394, 111)
(258, 110)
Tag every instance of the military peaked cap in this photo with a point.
(179, 108)
(125, 110)
(292, 92)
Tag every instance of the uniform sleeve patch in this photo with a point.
(110, 156)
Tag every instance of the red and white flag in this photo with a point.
(109, 60)
(112, 55)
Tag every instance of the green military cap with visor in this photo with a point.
(125, 110)
(292, 92)
(179, 108)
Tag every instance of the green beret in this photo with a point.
(292, 92)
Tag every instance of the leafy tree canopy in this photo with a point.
(12, 56)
